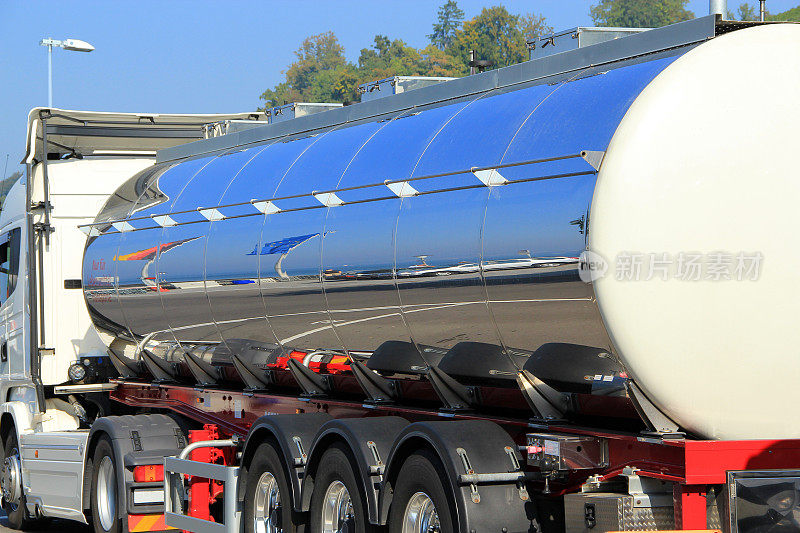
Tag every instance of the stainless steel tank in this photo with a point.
(455, 261)
(461, 221)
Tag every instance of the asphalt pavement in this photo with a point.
(62, 526)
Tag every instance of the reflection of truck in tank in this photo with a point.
(372, 319)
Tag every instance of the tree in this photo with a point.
(745, 12)
(450, 18)
(748, 11)
(319, 56)
(494, 35)
(533, 25)
(395, 58)
(390, 58)
(640, 13)
(321, 72)
(440, 63)
(790, 15)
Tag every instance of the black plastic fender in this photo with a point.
(136, 439)
(489, 448)
(292, 433)
(369, 440)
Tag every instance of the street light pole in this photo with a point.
(49, 75)
(74, 45)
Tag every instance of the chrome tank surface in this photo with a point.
(452, 222)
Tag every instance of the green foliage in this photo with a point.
(792, 15)
(321, 72)
(387, 58)
(440, 63)
(748, 11)
(450, 18)
(494, 34)
(534, 25)
(395, 58)
(744, 12)
(640, 13)
(320, 58)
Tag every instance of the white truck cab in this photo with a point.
(74, 160)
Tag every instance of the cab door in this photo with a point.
(12, 363)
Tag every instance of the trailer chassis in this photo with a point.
(694, 466)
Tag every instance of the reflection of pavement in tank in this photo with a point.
(338, 325)
(407, 311)
(290, 339)
(524, 315)
(261, 317)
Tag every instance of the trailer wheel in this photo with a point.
(336, 503)
(105, 515)
(420, 503)
(14, 503)
(268, 501)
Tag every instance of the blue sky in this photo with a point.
(201, 56)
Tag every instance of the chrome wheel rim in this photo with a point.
(267, 516)
(106, 497)
(337, 510)
(11, 480)
(420, 515)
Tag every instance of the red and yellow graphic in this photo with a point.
(147, 522)
(150, 253)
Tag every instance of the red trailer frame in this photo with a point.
(693, 465)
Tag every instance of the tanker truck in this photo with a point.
(550, 297)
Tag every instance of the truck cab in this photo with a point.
(74, 160)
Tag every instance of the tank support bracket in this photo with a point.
(657, 422)
(454, 395)
(313, 384)
(127, 368)
(205, 374)
(541, 398)
(378, 388)
(162, 371)
(253, 377)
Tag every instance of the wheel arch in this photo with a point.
(157, 435)
(15, 417)
(486, 445)
(368, 441)
(283, 430)
(406, 446)
(7, 425)
(15, 414)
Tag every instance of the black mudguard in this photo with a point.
(285, 430)
(501, 506)
(370, 441)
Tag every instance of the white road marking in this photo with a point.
(329, 326)
(407, 309)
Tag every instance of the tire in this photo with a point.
(266, 474)
(16, 510)
(421, 491)
(335, 484)
(104, 497)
